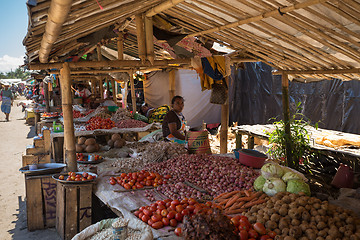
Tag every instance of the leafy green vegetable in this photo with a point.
(297, 186)
(290, 175)
(273, 186)
(270, 170)
(259, 183)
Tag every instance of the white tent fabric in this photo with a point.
(187, 84)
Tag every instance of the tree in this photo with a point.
(18, 73)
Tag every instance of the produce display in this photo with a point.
(99, 123)
(170, 212)
(50, 114)
(116, 141)
(137, 180)
(121, 114)
(74, 176)
(239, 201)
(77, 114)
(215, 174)
(81, 157)
(275, 178)
(88, 145)
(130, 123)
(180, 190)
(297, 216)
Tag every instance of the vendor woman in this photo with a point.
(173, 126)
(84, 93)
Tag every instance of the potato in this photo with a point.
(90, 141)
(119, 143)
(275, 217)
(295, 232)
(115, 137)
(81, 140)
(321, 225)
(79, 148)
(90, 148)
(110, 143)
(289, 238)
(295, 222)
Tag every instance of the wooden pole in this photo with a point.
(101, 89)
(46, 96)
(224, 124)
(113, 89)
(320, 71)
(93, 89)
(98, 50)
(171, 84)
(140, 32)
(286, 113)
(107, 85)
(69, 136)
(149, 39)
(120, 46)
(133, 97)
(126, 93)
(162, 7)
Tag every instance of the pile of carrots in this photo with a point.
(236, 202)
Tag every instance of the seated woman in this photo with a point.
(173, 125)
(146, 110)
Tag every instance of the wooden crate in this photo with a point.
(73, 209)
(40, 202)
(39, 143)
(35, 159)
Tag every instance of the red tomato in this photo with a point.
(157, 225)
(244, 226)
(235, 221)
(161, 207)
(141, 208)
(127, 186)
(164, 212)
(112, 181)
(173, 222)
(156, 217)
(166, 221)
(185, 212)
(253, 234)
(243, 235)
(136, 213)
(179, 208)
(150, 222)
(173, 207)
(264, 237)
(271, 234)
(85, 174)
(141, 214)
(191, 208)
(178, 231)
(153, 208)
(145, 218)
(147, 212)
(179, 217)
(175, 202)
(61, 177)
(171, 215)
(192, 201)
(259, 227)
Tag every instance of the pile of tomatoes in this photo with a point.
(77, 114)
(81, 157)
(171, 212)
(73, 176)
(50, 114)
(251, 232)
(137, 180)
(99, 123)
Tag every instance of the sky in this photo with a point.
(13, 26)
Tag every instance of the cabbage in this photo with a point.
(259, 183)
(296, 186)
(291, 176)
(274, 185)
(270, 170)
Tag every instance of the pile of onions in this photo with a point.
(179, 191)
(216, 174)
(130, 123)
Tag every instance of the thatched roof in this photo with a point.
(300, 37)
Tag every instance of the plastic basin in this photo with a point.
(251, 158)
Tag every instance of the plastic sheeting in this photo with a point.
(255, 97)
(187, 84)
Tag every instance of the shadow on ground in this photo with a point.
(32, 132)
(20, 232)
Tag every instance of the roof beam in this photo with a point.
(162, 7)
(278, 12)
(58, 13)
(312, 72)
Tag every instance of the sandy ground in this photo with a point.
(15, 136)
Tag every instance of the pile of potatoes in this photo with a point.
(88, 145)
(116, 141)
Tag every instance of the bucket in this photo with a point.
(198, 142)
(344, 177)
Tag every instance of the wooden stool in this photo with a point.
(40, 201)
(73, 208)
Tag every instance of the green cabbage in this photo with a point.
(290, 175)
(274, 185)
(259, 183)
(296, 186)
(270, 170)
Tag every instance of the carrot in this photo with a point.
(245, 199)
(224, 202)
(247, 193)
(236, 205)
(262, 196)
(232, 201)
(255, 195)
(236, 211)
(228, 195)
(221, 195)
(250, 204)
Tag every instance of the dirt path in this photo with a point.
(15, 136)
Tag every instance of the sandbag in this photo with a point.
(198, 142)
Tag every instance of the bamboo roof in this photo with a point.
(307, 38)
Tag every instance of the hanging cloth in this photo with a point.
(214, 70)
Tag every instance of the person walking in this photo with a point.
(7, 99)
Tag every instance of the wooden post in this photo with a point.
(120, 46)
(126, 93)
(113, 89)
(98, 50)
(171, 84)
(286, 112)
(93, 91)
(139, 20)
(149, 39)
(101, 89)
(133, 97)
(224, 124)
(107, 85)
(46, 96)
(238, 140)
(69, 136)
(251, 142)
